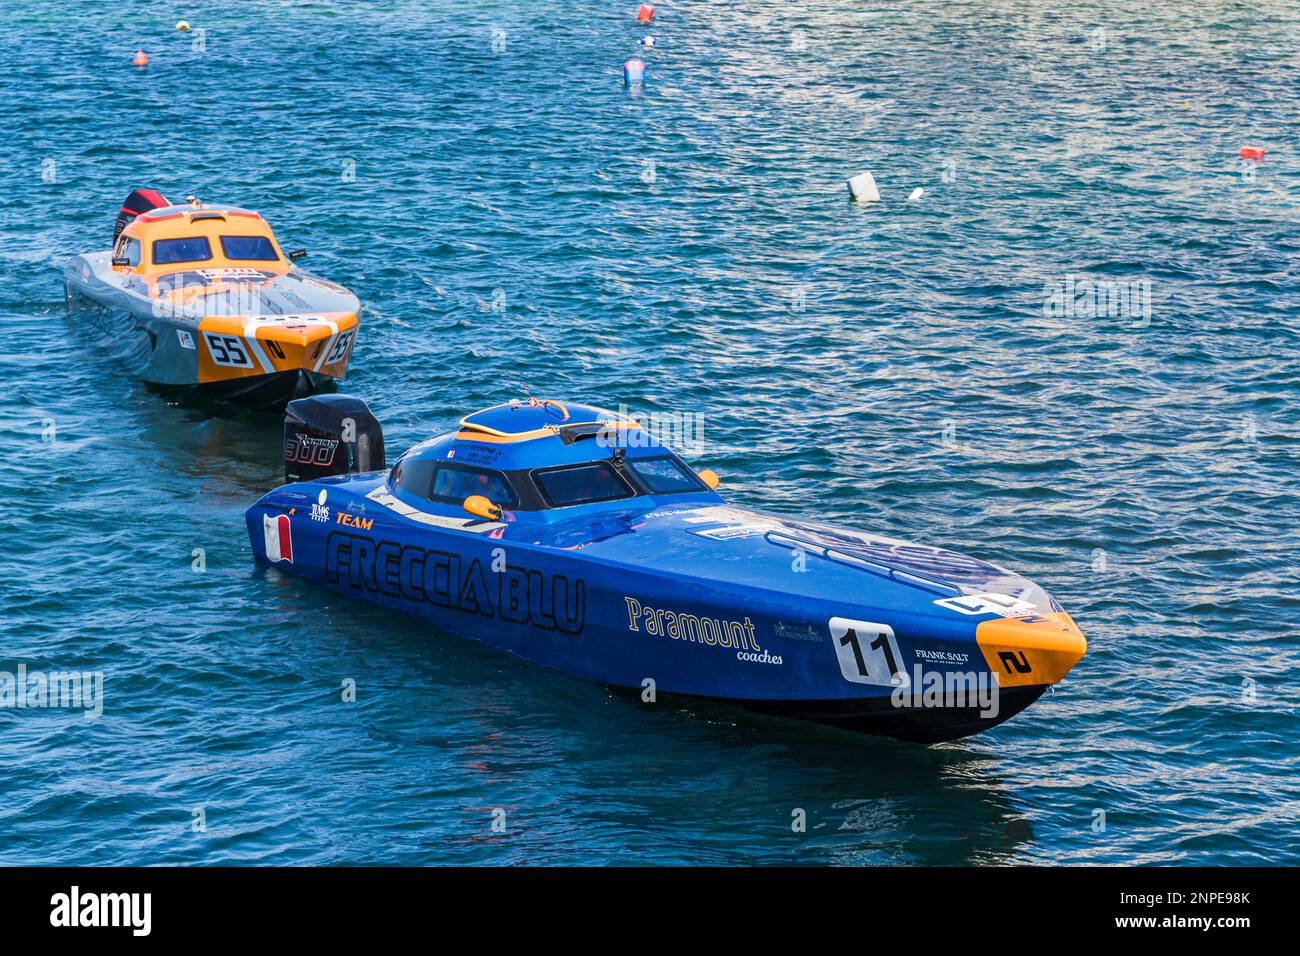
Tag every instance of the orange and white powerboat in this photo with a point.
(202, 295)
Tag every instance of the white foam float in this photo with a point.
(862, 188)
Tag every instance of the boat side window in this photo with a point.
(413, 475)
(581, 484)
(452, 484)
(128, 249)
(665, 476)
(184, 249)
(257, 248)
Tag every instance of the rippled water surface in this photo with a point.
(891, 366)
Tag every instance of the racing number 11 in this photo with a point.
(861, 662)
(879, 644)
(850, 639)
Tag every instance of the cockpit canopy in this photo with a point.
(533, 455)
(196, 236)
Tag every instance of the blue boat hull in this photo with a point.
(610, 600)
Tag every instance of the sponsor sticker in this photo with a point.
(736, 636)
(733, 531)
(942, 657)
(1003, 605)
(796, 632)
(354, 521)
(186, 340)
(477, 454)
(239, 273)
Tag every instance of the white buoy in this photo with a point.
(646, 41)
(917, 193)
(183, 26)
(863, 188)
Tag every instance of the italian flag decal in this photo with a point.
(279, 542)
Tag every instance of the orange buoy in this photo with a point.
(1252, 152)
(646, 13)
(141, 58)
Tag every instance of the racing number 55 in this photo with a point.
(340, 348)
(867, 652)
(227, 350)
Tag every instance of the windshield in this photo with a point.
(258, 248)
(454, 485)
(584, 483)
(665, 476)
(450, 484)
(187, 249)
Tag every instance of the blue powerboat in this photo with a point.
(568, 536)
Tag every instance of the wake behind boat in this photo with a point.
(568, 536)
(203, 296)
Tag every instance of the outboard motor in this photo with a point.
(330, 435)
(140, 200)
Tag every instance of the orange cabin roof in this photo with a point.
(210, 222)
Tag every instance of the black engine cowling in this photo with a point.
(140, 200)
(330, 435)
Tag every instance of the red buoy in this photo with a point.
(141, 58)
(646, 13)
(1252, 152)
